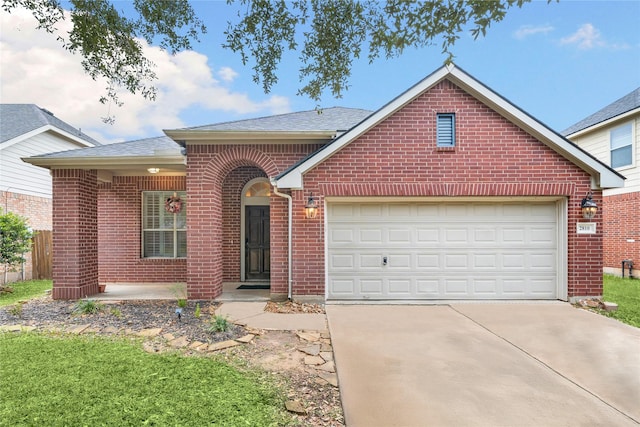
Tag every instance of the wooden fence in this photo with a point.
(42, 255)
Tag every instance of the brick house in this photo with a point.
(611, 135)
(447, 192)
(28, 130)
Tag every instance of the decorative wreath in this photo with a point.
(173, 204)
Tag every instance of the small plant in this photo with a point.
(88, 306)
(116, 312)
(219, 324)
(16, 310)
(197, 312)
(182, 303)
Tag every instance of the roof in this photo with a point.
(161, 152)
(325, 119)
(138, 148)
(603, 175)
(623, 105)
(20, 119)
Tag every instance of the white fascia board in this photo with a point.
(104, 162)
(608, 122)
(42, 129)
(606, 177)
(247, 137)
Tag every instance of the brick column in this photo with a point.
(75, 233)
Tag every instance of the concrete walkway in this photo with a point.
(252, 314)
(484, 364)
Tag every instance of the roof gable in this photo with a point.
(21, 121)
(602, 175)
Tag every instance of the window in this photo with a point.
(164, 234)
(621, 146)
(446, 130)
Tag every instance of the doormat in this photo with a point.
(253, 287)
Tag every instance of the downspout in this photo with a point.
(289, 236)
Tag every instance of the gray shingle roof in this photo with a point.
(327, 119)
(621, 106)
(19, 119)
(160, 145)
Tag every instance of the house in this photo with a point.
(611, 135)
(28, 130)
(447, 192)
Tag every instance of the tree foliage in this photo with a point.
(15, 239)
(327, 34)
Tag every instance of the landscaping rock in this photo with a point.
(313, 360)
(295, 407)
(309, 336)
(610, 306)
(150, 332)
(329, 377)
(311, 350)
(246, 339)
(179, 342)
(223, 345)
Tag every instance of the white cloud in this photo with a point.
(36, 69)
(529, 30)
(587, 37)
(227, 74)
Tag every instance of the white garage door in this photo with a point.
(467, 250)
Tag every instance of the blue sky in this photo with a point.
(559, 62)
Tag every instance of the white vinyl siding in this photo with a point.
(446, 130)
(464, 250)
(164, 234)
(621, 146)
(17, 176)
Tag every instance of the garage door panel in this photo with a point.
(442, 251)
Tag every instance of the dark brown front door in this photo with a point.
(257, 261)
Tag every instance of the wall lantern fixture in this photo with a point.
(589, 207)
(153, 170)
(311, 208)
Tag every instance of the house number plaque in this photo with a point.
(586, 228)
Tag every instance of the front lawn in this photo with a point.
(626, 293)
(24, 291)
(73, 381)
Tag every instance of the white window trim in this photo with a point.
(175, 230)
(633, 146)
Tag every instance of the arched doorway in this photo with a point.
(255, 231)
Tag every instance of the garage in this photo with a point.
(449, 250)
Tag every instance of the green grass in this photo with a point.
(626, 293)
(75, 381)
(24, 291)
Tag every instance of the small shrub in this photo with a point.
(116, 312)
(88, 306)
(197, 312)
(16, 310)
(182, 303)
(219, 324)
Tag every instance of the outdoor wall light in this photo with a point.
(153, 170)
(589, 207)
(311, 208)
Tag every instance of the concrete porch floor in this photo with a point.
(169, 291)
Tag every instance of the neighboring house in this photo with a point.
(447, 192)
(27, 130)
(611, 135)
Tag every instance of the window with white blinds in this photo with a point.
(446, 130)
(164, 234)
(621, 146)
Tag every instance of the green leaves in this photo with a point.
(333, 33)
(15, 238)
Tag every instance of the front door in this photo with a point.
(257, 262)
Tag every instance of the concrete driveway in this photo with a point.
(484, 364)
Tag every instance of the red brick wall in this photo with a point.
(75, 240)
(120, 232)
(492, 157)
(210, 259)
(37, 210)
(622, 223)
